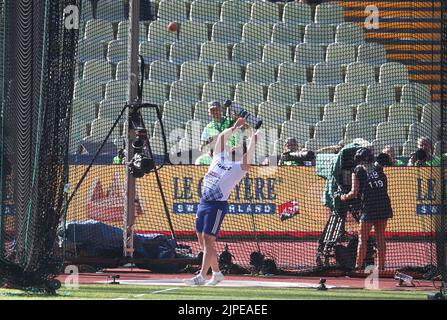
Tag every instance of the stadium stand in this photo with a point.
(254, 52)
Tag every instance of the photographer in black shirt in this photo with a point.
(292, 156)
(370, 185)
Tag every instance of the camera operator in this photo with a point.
(291, 155)
(423, 155)
(370, 185)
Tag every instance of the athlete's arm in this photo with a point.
(354, 189)
(226, 134)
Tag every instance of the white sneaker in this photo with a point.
(215, 279)
(196, 281)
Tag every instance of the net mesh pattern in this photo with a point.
(325, 78)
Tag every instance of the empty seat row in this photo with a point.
(243, 11)
(287, 90)
(224, 32)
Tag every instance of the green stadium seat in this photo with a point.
(86, 11)
(123, 31)
(177, 112)
(298, 130)
(122, 72)
(403, 113)
(360, 73)
(117, 51)
(297, 13)
(235, 11)
(417, 94)
(152, 51)
(213, 52)
(309, 54)
(244, 53)
(98, 31)
(320, 34)
(182, 52)
(78, 131)
(193, 132)
(87, 90)
(265, 12)
(225, 32)
(381, 94)
(315, 94)
(193, 33)
(98, 71)
(289, 34)
(260, 73)
(394, 73)
(184, 92)
(292, 73)
(205, 11)
(158, 33)
(372, 53)
(328, 133)
(421, 129)
(394, 133)
(201, 113)
(157, 146)
(272, 114)
(100, 128)
(282, 94)
(227, 72)
(172, 10)
(110, 110)
(431, 114)
(349, 94)
(369, 113)
(256, 33)
(84, 111)
(249, 93)
(329, 13)
(308, 113)
(194, 71)
(117, 90)
(340, 53)
(338, 114)
(154, 92)
(359, 129)
(349, 33)
(89, 50)
(163, 71)
(216, 91)
(276, 54)
(327, 74)
(110, 10)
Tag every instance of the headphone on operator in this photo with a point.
(363, 155)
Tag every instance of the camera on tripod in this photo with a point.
(141, 162)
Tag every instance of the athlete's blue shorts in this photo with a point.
(210, 215)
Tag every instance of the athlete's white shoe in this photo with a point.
(196, 281)
(215, 279)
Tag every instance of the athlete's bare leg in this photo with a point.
(209, 255)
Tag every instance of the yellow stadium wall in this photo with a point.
(413, 192)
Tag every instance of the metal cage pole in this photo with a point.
(129, 212)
